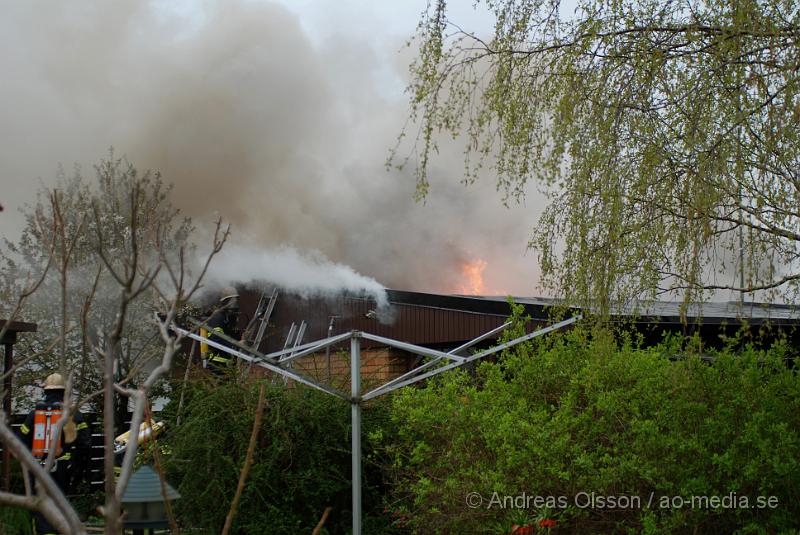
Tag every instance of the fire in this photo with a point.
(473, 273)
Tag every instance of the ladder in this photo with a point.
(254, 332)
(294, 339)
(295, 336)
(258, 323)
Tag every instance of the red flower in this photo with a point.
(521, 530)
(547, 523)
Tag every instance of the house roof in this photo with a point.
(416, 318)
(446, 320)
(709, 313)
(145, 486)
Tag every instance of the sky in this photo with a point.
(277, 116)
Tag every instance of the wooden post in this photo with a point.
(8, 364)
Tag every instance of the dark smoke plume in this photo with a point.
(254, 121)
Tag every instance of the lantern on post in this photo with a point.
(143, 501)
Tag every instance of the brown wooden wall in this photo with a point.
(409, 322)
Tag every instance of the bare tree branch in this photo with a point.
(248, 461)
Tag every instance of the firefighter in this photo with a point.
(72, 446)
(223, 319)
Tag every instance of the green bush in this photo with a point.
(15, 521)
(301, 464)
(582, 412)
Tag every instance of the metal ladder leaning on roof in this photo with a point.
(258, 323)
(293, 340)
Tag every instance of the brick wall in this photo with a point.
(378, 365)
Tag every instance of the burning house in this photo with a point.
(444, 322)
(440, 322)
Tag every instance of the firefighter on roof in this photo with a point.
(72, 446)
(224, 319)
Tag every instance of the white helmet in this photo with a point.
(55, 381)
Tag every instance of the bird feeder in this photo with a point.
(143, 501)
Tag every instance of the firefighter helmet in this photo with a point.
(54, 381)
(228, 293)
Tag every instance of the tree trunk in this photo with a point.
(111, 511)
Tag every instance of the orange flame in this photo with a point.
(473, 273)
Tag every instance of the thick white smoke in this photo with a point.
(307, 273)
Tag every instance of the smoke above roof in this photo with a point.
(306, 273)
(282, 135)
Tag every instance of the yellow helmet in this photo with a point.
(54, 381)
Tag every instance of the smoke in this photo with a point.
(307, 273)
(281, 133)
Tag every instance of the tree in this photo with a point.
(114, 260)
(664, 135)
(61, 233)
